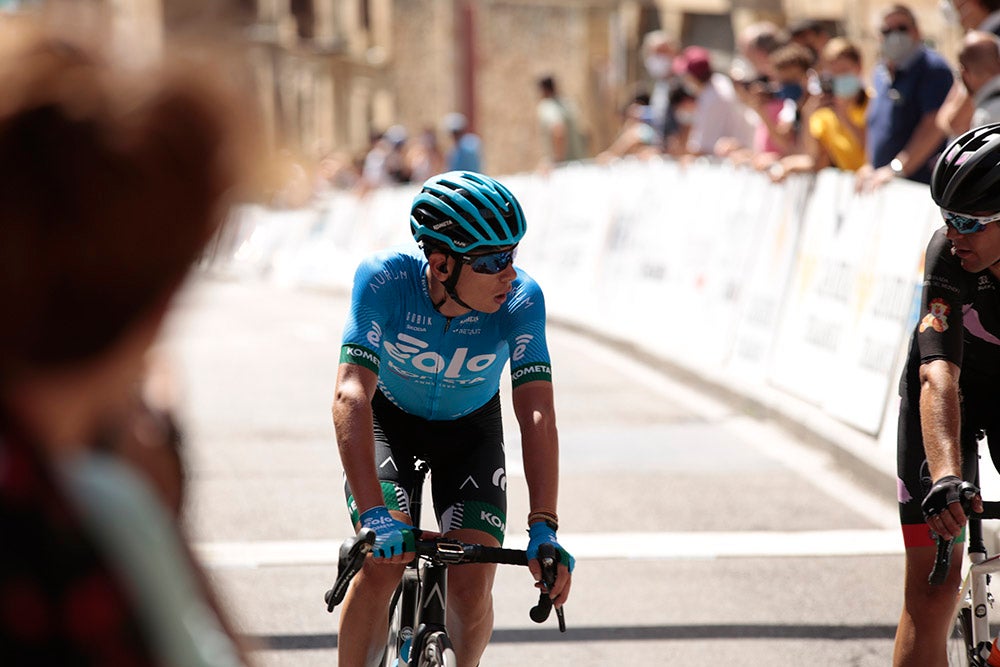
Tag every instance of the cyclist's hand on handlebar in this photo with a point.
(541, 533)
(946, 504)
(393, 538)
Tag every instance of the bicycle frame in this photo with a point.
(423, 592)
(421, 598)
(974, 593)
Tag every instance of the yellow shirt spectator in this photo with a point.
(842, 143)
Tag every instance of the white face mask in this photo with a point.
(896, 46)
(659, 66)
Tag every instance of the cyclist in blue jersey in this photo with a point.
(949, 387)
(430, 330)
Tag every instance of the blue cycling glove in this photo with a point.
(392, 537)
(539, 533)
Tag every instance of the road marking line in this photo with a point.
(598, 546)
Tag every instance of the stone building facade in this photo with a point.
(330, 73)
(412, 61)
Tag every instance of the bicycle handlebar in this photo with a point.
(942, 559)
(445, 551)
(453, 552)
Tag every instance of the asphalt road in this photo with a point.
(702, 534)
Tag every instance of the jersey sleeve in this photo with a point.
(362, 340)
(529, 351)
(939, 332)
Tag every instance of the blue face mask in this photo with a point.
(846, 85)
(790, 91)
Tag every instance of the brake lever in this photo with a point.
(548, 557)
(352, 558)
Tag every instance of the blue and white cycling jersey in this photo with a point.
(434, 366)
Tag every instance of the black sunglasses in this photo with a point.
(492, 263)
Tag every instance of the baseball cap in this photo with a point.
(694, 60)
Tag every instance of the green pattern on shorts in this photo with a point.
(483, 516)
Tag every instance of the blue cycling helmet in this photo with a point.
(466, 211)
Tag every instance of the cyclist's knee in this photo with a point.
(379, 578)
(470, 587)
(922, 598)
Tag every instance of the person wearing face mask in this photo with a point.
(835, 118)
(955, 115)
(719, 115)
(659, 49)
(778, 109)
(911, 82)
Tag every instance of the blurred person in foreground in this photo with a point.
(948, 388)
(955, 114)
(911, 82)
(110, 186)
(834, 119)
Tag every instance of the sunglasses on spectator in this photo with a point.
(891, 29)
(968, 224)
(492, 263)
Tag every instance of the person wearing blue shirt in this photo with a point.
(911, 82)
(429, 333)
(467, 152)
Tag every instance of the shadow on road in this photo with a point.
(627, 633)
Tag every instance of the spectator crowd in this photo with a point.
(799, 99)
(792, 99)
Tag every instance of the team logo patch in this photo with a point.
(937, 317)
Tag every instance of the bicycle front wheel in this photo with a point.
(437, 651)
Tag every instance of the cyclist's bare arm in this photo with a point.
(940, 417)
(352, 420)
(940, 421)
(534, 407)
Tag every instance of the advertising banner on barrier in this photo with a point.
(767, 275)
(881, 304)
(817, 308)
(567, 217)
(850, 297)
